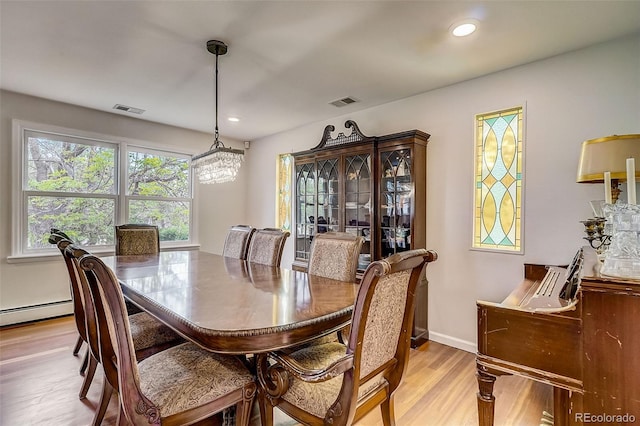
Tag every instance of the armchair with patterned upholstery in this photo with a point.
(134, 239)
(180, 385)
(236, 244)
(336, 384)
(266, 246)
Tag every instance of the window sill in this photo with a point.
(55, 256)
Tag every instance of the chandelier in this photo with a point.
(220, 164)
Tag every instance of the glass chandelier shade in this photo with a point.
(219, 164)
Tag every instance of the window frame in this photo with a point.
(122, 148)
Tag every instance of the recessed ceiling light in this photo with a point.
(463, 29)
(234, 119)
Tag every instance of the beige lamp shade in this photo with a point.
(607, 154)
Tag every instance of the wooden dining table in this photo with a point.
(233, 306)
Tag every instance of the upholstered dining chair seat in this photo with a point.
(147, 332)
(185, 376)
(317, 398)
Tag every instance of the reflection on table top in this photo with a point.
(230, 305)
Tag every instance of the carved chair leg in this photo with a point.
(266, 409)
(76, 348)
(88, 377)
(85, 362)
(105, 397)
(388, 412)
(486, 400)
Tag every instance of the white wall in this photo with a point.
(586, 94)
(26, 284)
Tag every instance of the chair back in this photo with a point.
(62, 240)
(236, 244)
(96, 330)
(380, 335)
(266, 246)
(335, 255)
(134, 239)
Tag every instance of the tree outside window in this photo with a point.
(77, 184)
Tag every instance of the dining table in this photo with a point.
(233, 306)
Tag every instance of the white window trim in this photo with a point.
(123, 145)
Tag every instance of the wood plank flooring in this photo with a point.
(39, 384)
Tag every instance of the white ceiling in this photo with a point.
(287, 60)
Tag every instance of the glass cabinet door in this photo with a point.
(358, 202)
(328, 201)
(396, 190)
(305, 208)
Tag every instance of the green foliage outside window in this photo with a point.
(158, 176)
(72, 184)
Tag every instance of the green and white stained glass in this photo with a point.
(498, 180)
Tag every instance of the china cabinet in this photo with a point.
(369, 186)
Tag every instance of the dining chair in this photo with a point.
(338, 384)
(137, 239)
(134, 239)
(266, 246)
(180, 385)
(236, 244)
(335, 255)
(150, 336)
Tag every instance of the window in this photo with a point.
(159, 191)
(86, 184)
(283, 201)
(498, 181)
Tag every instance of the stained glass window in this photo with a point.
(498, 180)
(283, 201)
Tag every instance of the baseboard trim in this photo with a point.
(35, 312)
(453, 342)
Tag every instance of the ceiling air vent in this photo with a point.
(343, 102)
(128, 109)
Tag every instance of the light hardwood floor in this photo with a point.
(39, 384)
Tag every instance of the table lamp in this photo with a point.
(610, 160)
(609, 154)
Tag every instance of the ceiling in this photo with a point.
(287, 60)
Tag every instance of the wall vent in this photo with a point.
(344, 101)
(128, 109)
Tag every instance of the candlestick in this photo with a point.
(631, 181)
(607, 187)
